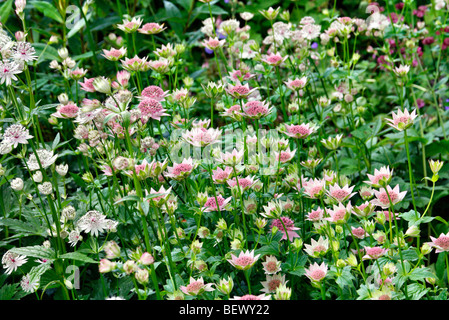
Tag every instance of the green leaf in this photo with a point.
(22, 226)
(421, 274)
(39, 252)
(78, 257)
(5, 11)
(8, 291)
(48, 10)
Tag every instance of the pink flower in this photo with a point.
(16, 134)
(284, 156)
(317, 248)
(130, 25)
(272, 283)
(181, 170)
(289, 229)
(87, 85)
(380, 178)
(252, 297)
(151, 108)
(402, 120)
(213, 43)
(218, 204)
(221, 176)
(385, 200)
(271, 265)
(359, 232)
(244, 261)
(373, 253)
(314, 188)
(239, 91)
(151, 28)
(340, 194)
(441, 243)
(134, 64)
(339, 214)
(316, 272)
(315, 215)
(244, 183)
(299, 131)
(196, 287)
(114, 54)
(201, 137)
(296, 84)
(363, 210)
(69, 110)
(274, 59)
(231, 158)
(256, 109)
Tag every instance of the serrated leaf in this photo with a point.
(8, 291)
(78, 256)
(21, 226)
(39, 252)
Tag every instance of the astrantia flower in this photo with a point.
(441, 243)
(66, 111)
(29, 284)
(316, 272)
(314, 188)
(201, 137)
(339, 214)
(272, 282)
(152, 28)
(363, 210)
(114, 54)
(16, 134)
(231, 158)
(315, 215)
(87, 85)
(385, 200)
(23, 51)
(311, 31)
(289, 229)
(271, 265)
(244, 183)
(274, 59)
(93, 222)
(359, 232)
(181, 170)
(217, 203)
(296, 84)
(340, 194)
(129, 26)
(153, 92)
(162, 197)
(373, 253)
(317, 248)
(152, 108)
(300, 131)
(239, 91)
(402, 120)
(380, 178)
(11, 261)
(134, 64)
(8, 70)
(256, 109)
(46, 158)
(244, 261)
(213, 43)
(196, 287)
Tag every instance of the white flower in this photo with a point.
(16, 134)
(17, 184)
(8, 70)
(46, 158)
(28, 284)
(11, 261)
(94, 222)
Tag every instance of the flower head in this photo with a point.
(316, 272)
(286, 226)
(16, 134)
(11, 261)
(402, 120)
(441, 243)
(196, 287)
(387, 200)
(244, 261)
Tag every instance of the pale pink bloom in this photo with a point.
(272, 283)
(201, 123)
(216, 204)
(383, 199)
(316, 272)
(180, 95)
(339, 214)
(201, 137)
(252, 297)
(315, 215)
(8, 70)
(402, 120)
(274, 59)
(311, 31)
(380, 178)
(181, 170)
(299, 131)
(158, 198)
(363, 210)
(87, 85)
(151, 28)
(11, 261)
(16, 134)
(196, 287)
(314, 188)
(238, 75)
(234, 112)
(239, 91)
(151, 108)
(129, 26)
(359, 232)
(340, 194)
(317, 248)
(123, 78)
(114, 54)
(23, 51)
(66, 111)
(214, 43)
(441, 243)
(271, 265)
(256, 109)
(244, 183)
(162, 65)
(244, 261)
(78, 73)
(134, 64)
(289, 229)
(231, 158)
(373, 253)
(93, 222)
(153, 92)
(296, 84)
(221, 176)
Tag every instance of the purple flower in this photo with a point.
(314, 45)
(208, 51)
